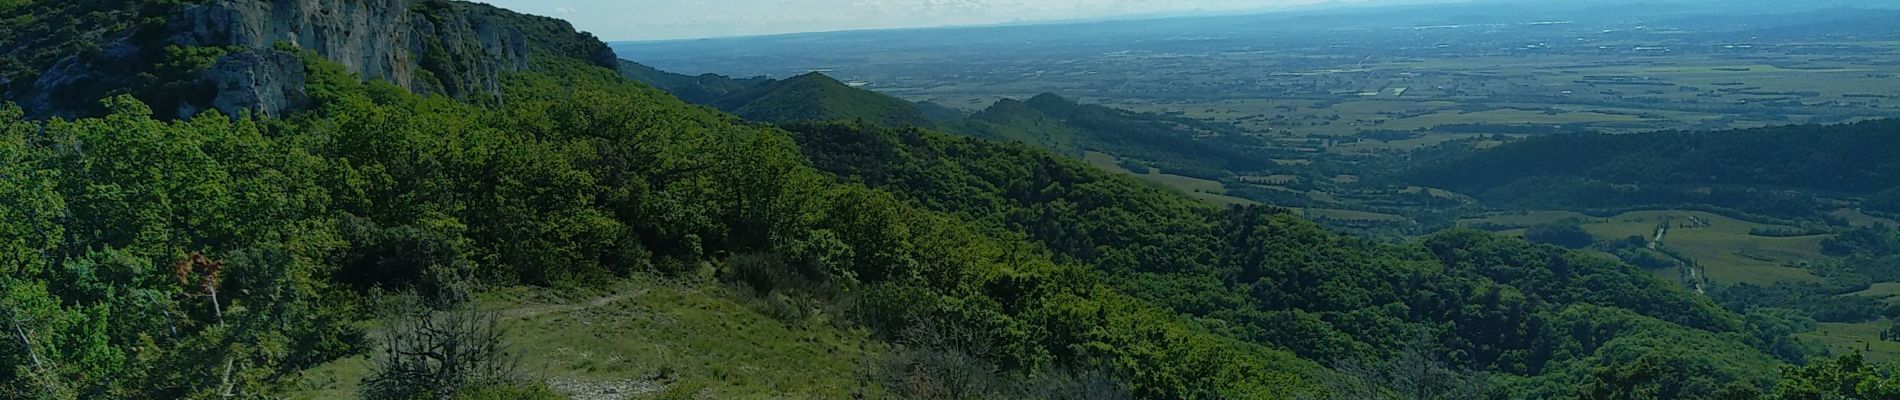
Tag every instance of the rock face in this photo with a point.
(267, 82)
(440, 47)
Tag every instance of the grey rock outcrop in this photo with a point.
(441, 47)
(270, 83)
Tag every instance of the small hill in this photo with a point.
(1754, 169)
(816, 97)
(1181, 145)
(1014, 120)
(702, 89)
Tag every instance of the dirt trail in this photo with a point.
(540, 310)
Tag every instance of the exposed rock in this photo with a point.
(604, 390)
(268, 82)
(442, 47)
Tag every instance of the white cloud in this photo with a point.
(668, 19)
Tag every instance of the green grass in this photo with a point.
(1857, 218)
(1212, 192)
(1186, 183)
(664, 333)
(1427, 140)
(1725, 249)
(1105, 161)
(1350, 215)
(1524, 218)
(1864, 337)
(334, 380)
(1889, 291)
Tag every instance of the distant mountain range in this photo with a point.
(1179, 145)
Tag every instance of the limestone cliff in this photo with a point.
(442, 47)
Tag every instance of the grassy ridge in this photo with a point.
(650, 335)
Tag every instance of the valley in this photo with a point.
(449, 200)
(1361, 111)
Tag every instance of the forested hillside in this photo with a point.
(226, 256)
(558, 186)
(1754, 170)
(1176, 145)
(816, 97)
(702, 89)
(1476, 302)
(807, 97)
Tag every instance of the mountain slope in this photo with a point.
(233, 55)
(1178, 145)
(146, 257)
(1480, 302)
(703, 89)
(816, 97)
(809, 97)
(1750, 169)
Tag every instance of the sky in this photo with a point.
(615, 20)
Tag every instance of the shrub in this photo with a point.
(1566, 234)
(763, 272)
(453, 354)
(1884, 203)
(938, 374)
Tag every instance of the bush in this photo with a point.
(1062, 385)
(453, 354)
(939, 374)
(1646, 259)
(788, 308)
(763, 272)
(1566, 234)
(938, 361)
(1876, 241)
(1883, 203)
(403, 258)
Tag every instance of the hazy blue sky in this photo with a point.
(674, 19)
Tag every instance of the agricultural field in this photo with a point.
(1889, 291)
(1857, 218)
(1419, 102)
(1351, 215)
(1724, 248)
(1212, 192)
(1356, 88)
(1864, 338)
(1524, 218)
(1721, 245)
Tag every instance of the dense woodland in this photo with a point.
(1488, 304)
(1786, 172)
(1175, 145)
(215, 257)
(578, 178)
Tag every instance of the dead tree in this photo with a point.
(440, 353)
